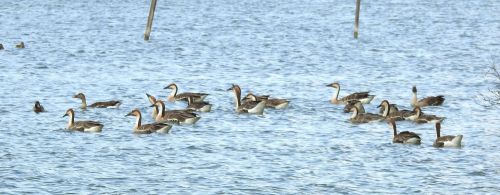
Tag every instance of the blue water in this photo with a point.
(289, 49)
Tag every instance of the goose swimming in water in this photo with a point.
(20, 45)
(198, 106)
(447, 140)
(152, 100)
(270, 103)
(84, 126)
(428, 101)
(147, 128)
(357, 117)
(198, 97)
(405, 137)
(107, 104)
(38, 107)
(252, 107)
(176, 116)
(397, 114)
(363, 97)
(419, 117)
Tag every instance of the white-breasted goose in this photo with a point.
(357, 117)
(174, 96)
(147, 128)
(405, 137)
(38, 107)
(175, 116)
(270, 102)
(363, 97)
(106, 104)
(252, 107)
(447, 140)
(84, 126)
(427, 101)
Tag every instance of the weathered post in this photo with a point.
(356, 19)
(150, 20)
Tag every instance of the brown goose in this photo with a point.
(428, 101)
(20, 45)
(447, 140)
(357, 117)
(270, 103)
(405, 137)
(176, 116)
(107, 104)
(84, 126)
(152, 100)
(38, 107)
(354, 103)
(363, 97)
(147, 128)
(198, 106)
(252, 107)
(419, 117)
(198, 97)
(387, 111)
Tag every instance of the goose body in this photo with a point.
(84, 126)
(387, 111)
(419, 117)
(198, 106)
(147, 128)
(405, 137)
(427, 101)
(447, 140)
(106, 104)
(363, 97)
(270, 103)
(38, 107)
(357, 117)
(182, 117)
(252, 107)
(174, 96)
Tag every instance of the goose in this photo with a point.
(428, 101)
(405, 137)
(419, 117)
(107, 104)
(84, 126)
(357, 117)
(394, 109)
(38, 107)
(198, 97)
(198, 106)
(20, 45)
(1, 47)
(447, 140)
(270, 103)
(176, 116)
(363, 97)
(252, 107)
(354, 103)
(152, 100)
(398, 115)
(147, 128)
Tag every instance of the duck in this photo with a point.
(147, 128)
(107, 104)
(419, 117)
(38, 107)
(83, 126)
(20, 45)
(181, 117)
(198, 106)
(357, 117)
(270, 103)
(251, 107)
(354, 103)
(152, 100)
(404, 137)
(198, 97)
(427, 101)
(363, 97)
(447, 140)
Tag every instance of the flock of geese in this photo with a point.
(254, 104)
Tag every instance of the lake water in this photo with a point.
(289, 49)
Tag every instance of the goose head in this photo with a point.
(171, 86)
(37, 104)
(418, 111)
(414, 89)
(134, 112)
(79, 96)
(69, 112)
(334, 85)
(151, 98)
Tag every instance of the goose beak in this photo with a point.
(379, 106)
(329, 85)
(230, 89)
(152, 105)
(65, 115)
(129, 114)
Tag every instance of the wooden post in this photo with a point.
(150, 20)
(356, 19)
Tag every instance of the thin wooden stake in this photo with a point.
(356, 19)
(150, 20)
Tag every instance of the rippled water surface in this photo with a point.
(289, 49)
